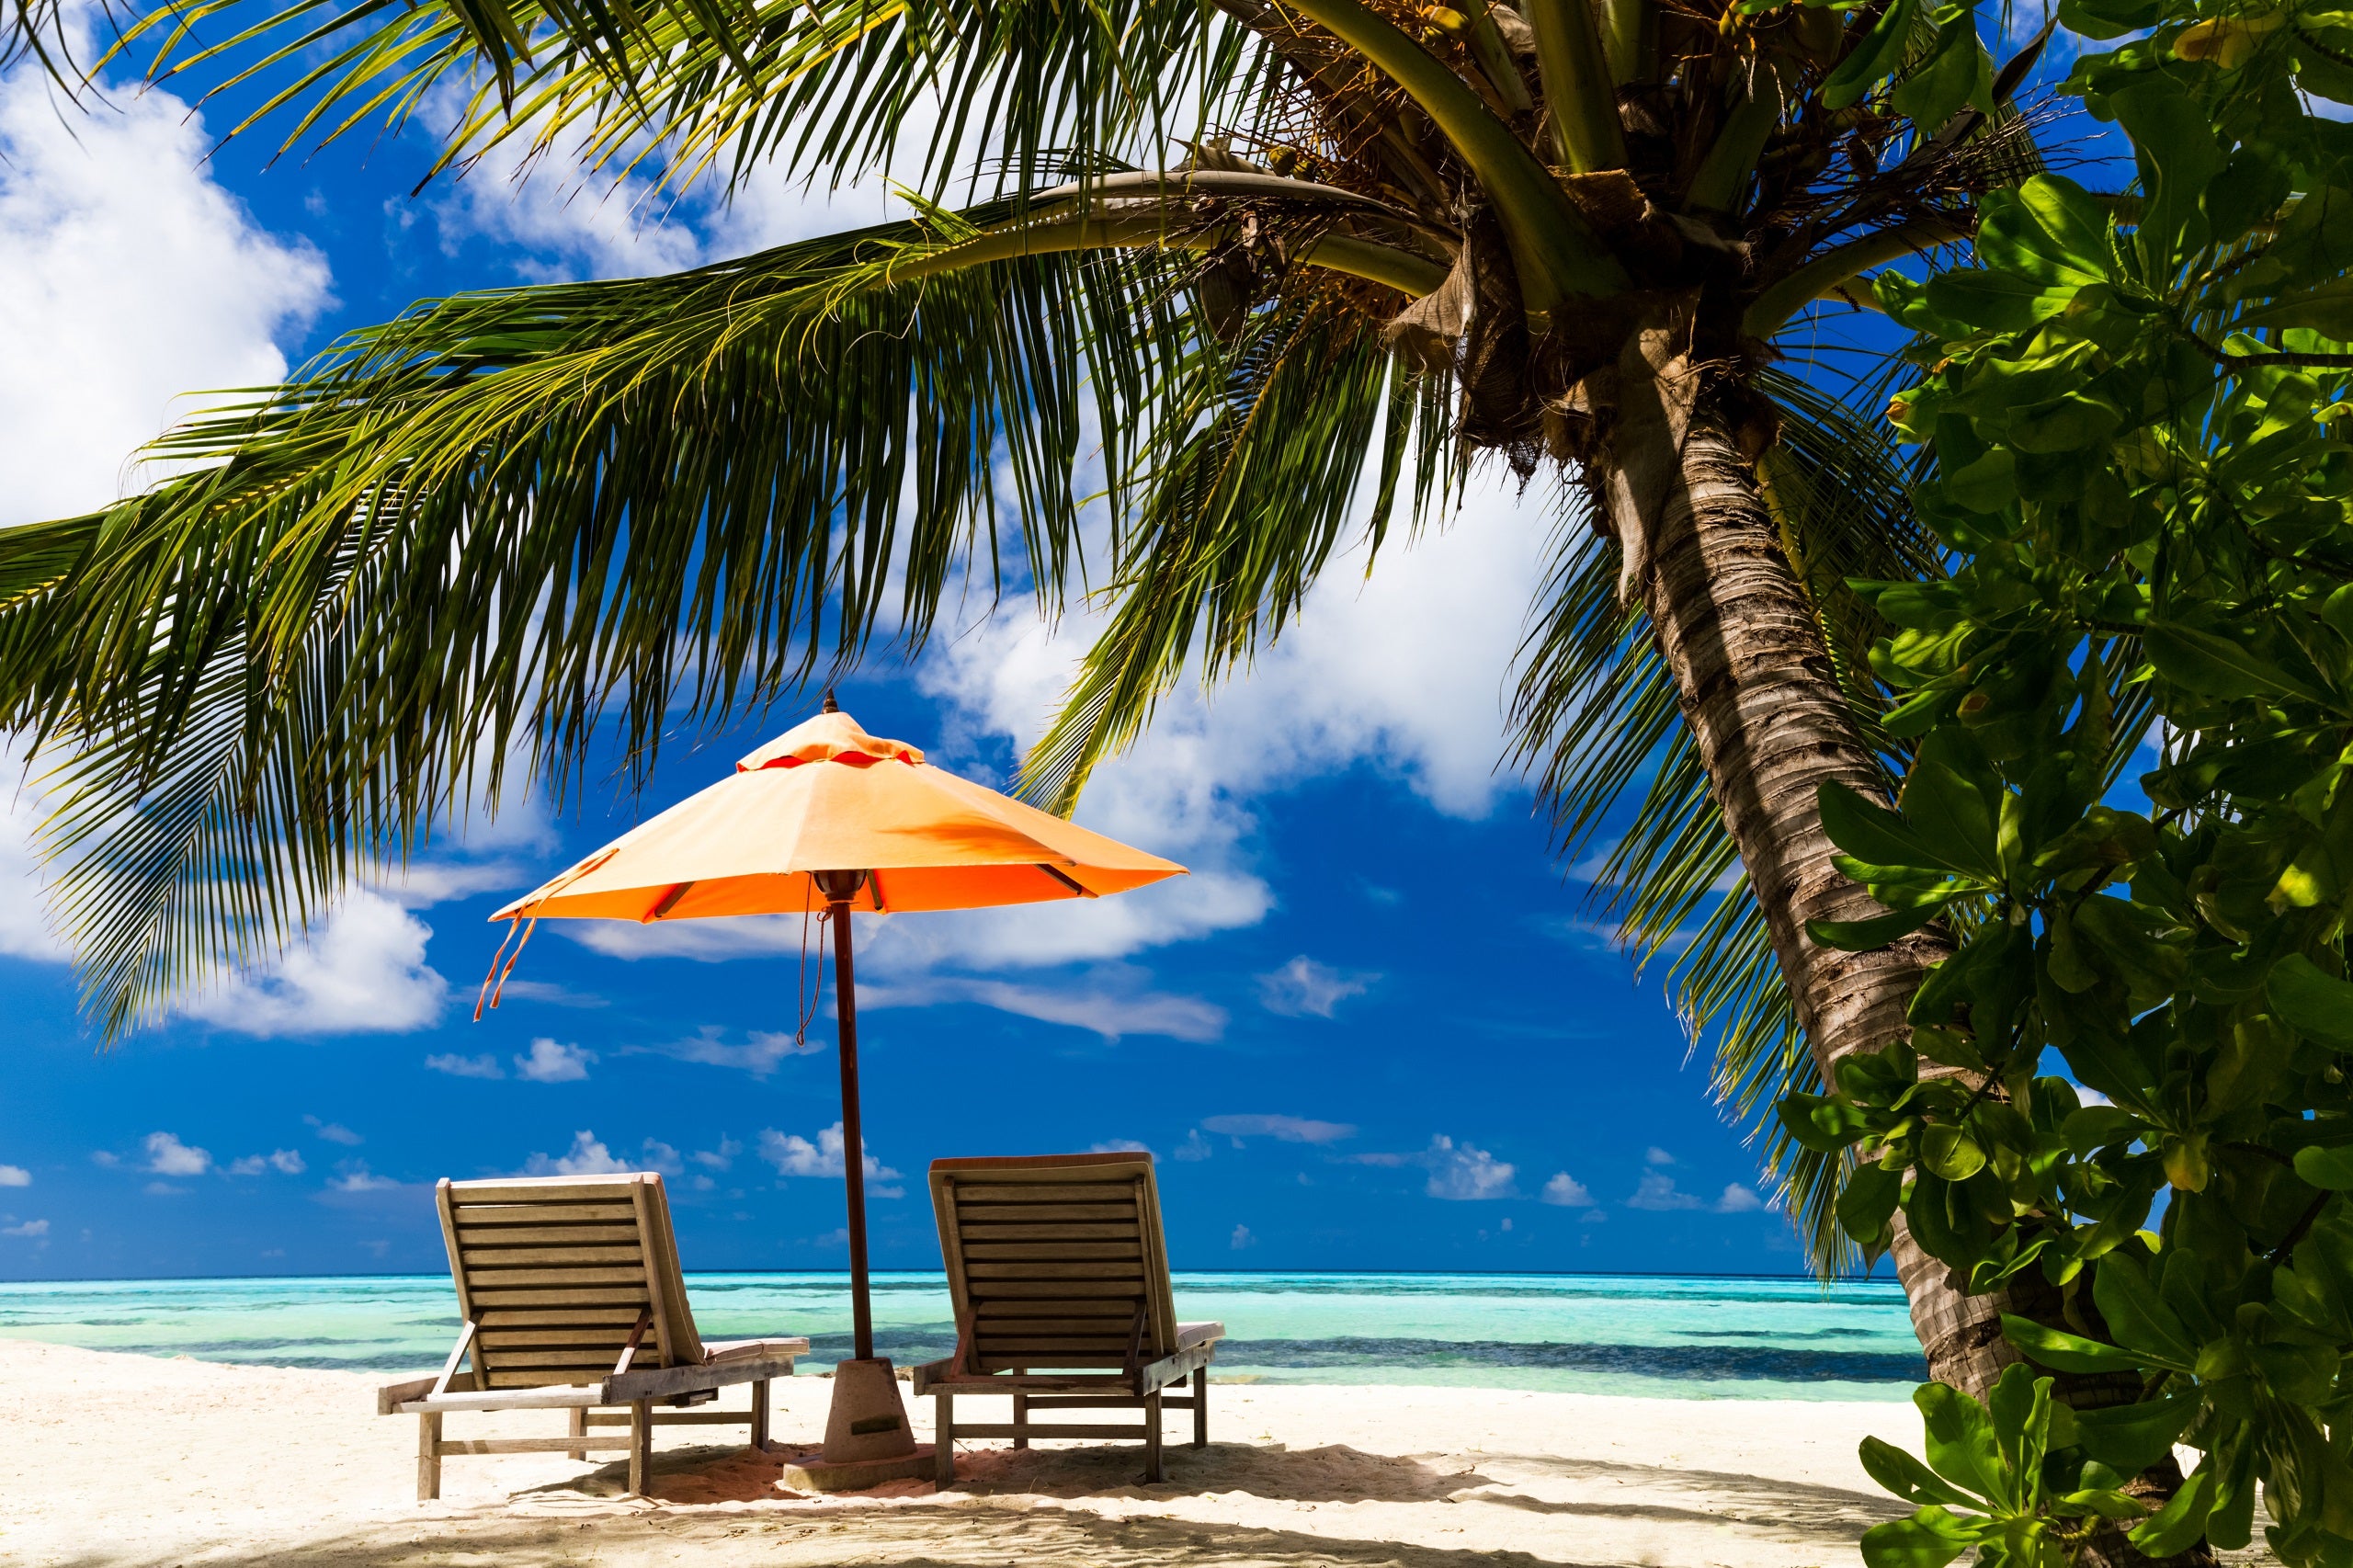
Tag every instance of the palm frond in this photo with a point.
(818, 89)
(44, 32)
(510, 519)
(1250, 493)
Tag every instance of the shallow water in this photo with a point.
(1660, 1337)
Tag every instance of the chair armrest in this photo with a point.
(754, 1350)
(1191, 1333)
(930, 1372)
(1174, 1368)
(392, 1396)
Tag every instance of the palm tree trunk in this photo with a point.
(1764, 708)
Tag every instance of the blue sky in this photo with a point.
(1376, 1029)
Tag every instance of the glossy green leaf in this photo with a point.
(1929, 1538)
(2067, 1352)
(2317, 1005)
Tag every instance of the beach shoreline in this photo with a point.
(135, 1462)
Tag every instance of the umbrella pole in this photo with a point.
(853, 1140)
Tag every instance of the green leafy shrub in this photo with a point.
(2139, 407)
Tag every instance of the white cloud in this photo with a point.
(551, 1062)
(25, 929)
(1657, 1191)
(1407, 670)
(1565, 1191)
(588, 1156)
(30, 1228)
(335, 1133)
(361, 971)
(1460, 1173)
(483, 1066)
(1654, 1156)
(284, 1160)
(15, 1175)
(128, 277)
(1739, 1199)
(1194, 1147)
(718, 1159)
(1119, 1146)
(1304, 986)
(166, 1155)
(1288, 1128)
(357, 1177)
(1113, 1007)
(568, 223)
(794, 1155)
(661, 1156)
(1243, 1238)
(707, 1047)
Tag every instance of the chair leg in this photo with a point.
(1022, 1419)
(1155, 1472)
(641, 1445)
(760, 1414)
(428, 1456)
(1201, 1407)
(943, 1441)
(579, 1428)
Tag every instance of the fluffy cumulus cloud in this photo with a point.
(793, 1156)
(1657, 1191)
(588, 1156)
(1119, 1146)
(27, 1228)
(166, 1155)
(335, 1132)
(352, 1176)
(551, 1062)
(1243, 1238)
(1565, 1191)
(128, 276)
(1460, 1173)
(1194, 1147)
(1288, 1129)
(361, 971)
(15, 1175)
(1304, 987)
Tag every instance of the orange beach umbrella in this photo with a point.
(826, 817)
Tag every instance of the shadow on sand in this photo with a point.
(720, 1507)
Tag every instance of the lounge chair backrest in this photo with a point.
(555, 1271)
(1054, 1260)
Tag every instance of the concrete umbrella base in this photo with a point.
(856, 1475)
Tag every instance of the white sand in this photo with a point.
(127, 1460)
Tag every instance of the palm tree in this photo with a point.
(1269, 265)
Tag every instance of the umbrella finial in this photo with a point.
(831, 706)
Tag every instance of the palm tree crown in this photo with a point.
(1270, 265)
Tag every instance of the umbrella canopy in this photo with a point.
(826, 796)
(827, 817)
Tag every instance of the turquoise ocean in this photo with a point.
(1658, 1337)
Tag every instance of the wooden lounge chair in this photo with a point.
(572, 1300)
(1060, 1280)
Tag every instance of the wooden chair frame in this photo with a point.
(1158, 1352)
(542, 1266)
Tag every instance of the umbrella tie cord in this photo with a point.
(806, 1005)
(494, 984)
